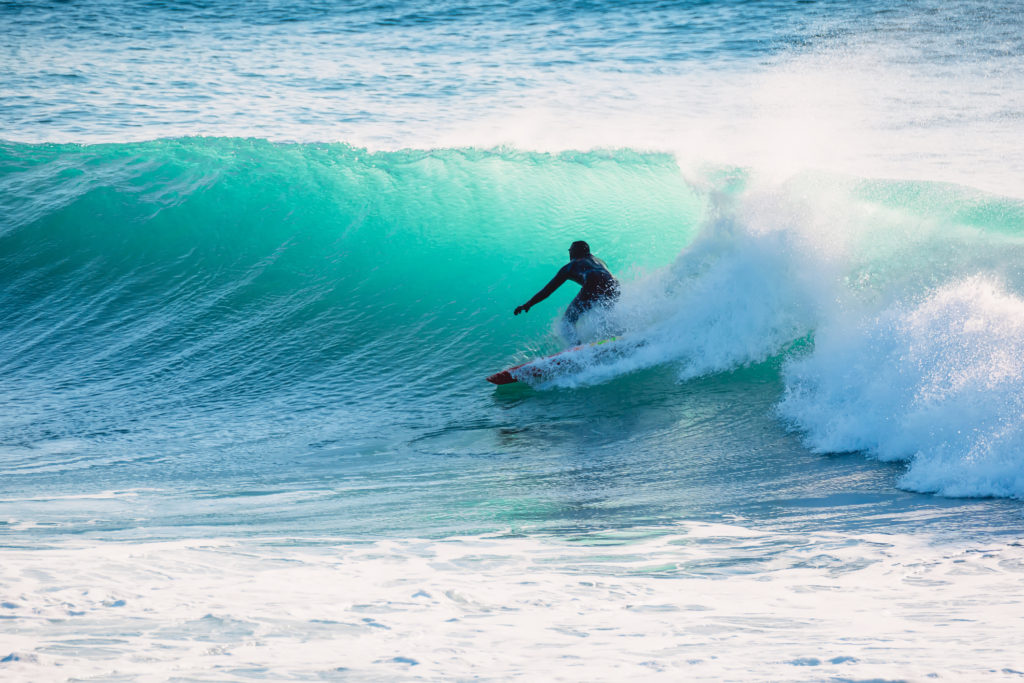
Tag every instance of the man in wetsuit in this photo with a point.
(596, 282)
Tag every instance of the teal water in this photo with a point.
(256, 260)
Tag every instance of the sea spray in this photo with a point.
(938, 383)
(898, 324)
(739, 294)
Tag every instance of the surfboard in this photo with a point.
(544, 366)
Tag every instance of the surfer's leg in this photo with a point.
(567, 331)
(572, 314)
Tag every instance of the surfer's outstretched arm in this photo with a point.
(550, 287)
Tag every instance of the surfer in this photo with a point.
(598, 286)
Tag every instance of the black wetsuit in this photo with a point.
(596, 282)
(597, 285)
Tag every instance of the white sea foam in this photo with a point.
(694, 602)
(939, 383)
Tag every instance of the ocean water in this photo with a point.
(257, 258)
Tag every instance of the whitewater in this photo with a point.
(256, 260)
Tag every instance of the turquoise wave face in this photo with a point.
(212, 295)
(283, 261)
(226, 315)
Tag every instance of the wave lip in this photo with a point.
(939, 384)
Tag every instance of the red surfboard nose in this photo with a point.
(505, 376)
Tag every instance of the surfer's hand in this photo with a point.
(521, 309)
